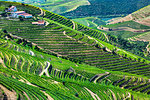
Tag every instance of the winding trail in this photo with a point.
(113, 95)
(74, 25)
(42, 12)
(2, 62)
(129, 96)
(147, 47)
(31, 53)
(48, 96)
(45, 69)
(106, 37)
(93, 94)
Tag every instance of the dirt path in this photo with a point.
(2, 62)
(48, 96)
(42, 13)
(26, 96)
(93, 94)
(47, 23)
(106, 37)
(124, 28)
(114, 96)
(11, 95)
(45, 69)
(31, 53)
(68, 36)
(129, 95)
(74, 25)
(147, 47)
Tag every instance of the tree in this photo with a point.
(5, 31)
(9, 6)
(76, 94)
(4, 14)
(19, 41)
(21, 18)
(36, 48)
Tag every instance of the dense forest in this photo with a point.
(108, 7)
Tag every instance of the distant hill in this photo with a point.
(56, 6)
(135, 27)
(141, 16)
(108, 7)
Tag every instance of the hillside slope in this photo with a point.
(56, 6)
(90, 21)
(108, 7)
(63, 60)
(141, 16)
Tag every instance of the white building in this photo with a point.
(21, 13)
(12, 9)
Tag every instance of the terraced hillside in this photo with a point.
(28, 69)
(66, 42)
(20, 71)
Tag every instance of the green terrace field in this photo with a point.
(64, 42)
(17, 59)
(130, 24)
(127, 29)
(65, 60)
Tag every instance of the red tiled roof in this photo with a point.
(41, 22)
(20, 12)
(25, 14)
(34, 22)
(12, 7)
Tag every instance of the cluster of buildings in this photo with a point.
(15, 13)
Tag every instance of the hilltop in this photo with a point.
(56, 6)
(140, 16)
(64, 60)
(106, 8)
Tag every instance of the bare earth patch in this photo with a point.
(11, 95)
(2, 62)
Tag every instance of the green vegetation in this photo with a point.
(90, 21)
(144, 36)
(122, 34)
(108, 8)
(65, 60)
(130, 24)
(56, 6)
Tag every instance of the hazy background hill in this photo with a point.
(108, 7)
(56, 6)
(141, 16)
